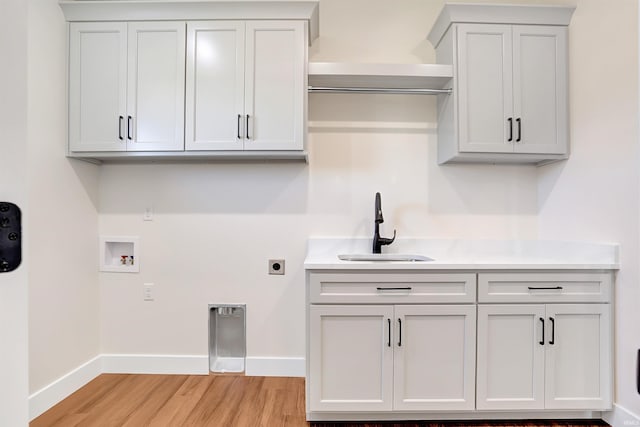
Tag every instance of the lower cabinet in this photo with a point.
(370, 358)
(418, 344)
(544, 356)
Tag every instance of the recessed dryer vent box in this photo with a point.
(119, 254)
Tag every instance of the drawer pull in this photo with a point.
(544, 288)
(542, 340)
(406, 288)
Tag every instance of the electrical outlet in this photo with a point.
(276, 266)
(148, 214)
(147, 291)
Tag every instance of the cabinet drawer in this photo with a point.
(544, 287)
(391, 287)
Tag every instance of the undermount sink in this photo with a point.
(384, 257)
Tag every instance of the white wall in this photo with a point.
(594, 196)
(13, 161)
(216, 225)
(63, 218)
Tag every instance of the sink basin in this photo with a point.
(383, 257)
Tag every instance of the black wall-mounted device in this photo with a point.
(10, 237)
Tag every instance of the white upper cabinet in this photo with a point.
(540, 100)
(484, 87)
(126, 86)
(155, 101)
(510, 83)
(215, 85)
(97, 86)
(275, 91)
(188, 80)
(245, 85)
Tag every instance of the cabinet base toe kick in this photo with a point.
(451, 416)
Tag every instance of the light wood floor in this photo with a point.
(113, 400)
(181, 400)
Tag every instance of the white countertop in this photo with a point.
(460, 254)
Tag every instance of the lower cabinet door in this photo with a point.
(434, 357)
(511, 357)
(578, 359)
(350, 358)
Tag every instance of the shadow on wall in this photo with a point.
(245, 188)
(88, 177)
(482, 188)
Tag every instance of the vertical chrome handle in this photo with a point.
(542, 338)
(553, 331)
(247, 128)
(389, 339)
(510, 120)
(129, 118)
(120, 128)
(399, 332)
(239, 120)
(519, 122)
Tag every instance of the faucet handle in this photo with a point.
(386, 240)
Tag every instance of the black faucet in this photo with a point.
(378, 241)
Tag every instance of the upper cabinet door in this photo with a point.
(485, 88)
(156, 86)
(275, 85)
(97, 86)
(215, 85)
(540, 89)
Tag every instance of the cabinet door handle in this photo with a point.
(542, 288)
(519, 122)
(542, 340)
(638, 372)
(247, 128)
(399, 332)
(389, 339)
(120, 128)
(239, 120)
(129, 118)
(510, 120)
(405, 288)
(553, 330)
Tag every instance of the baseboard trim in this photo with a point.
(620, 417)
(275, 367)
(48, 396)
(155, 364)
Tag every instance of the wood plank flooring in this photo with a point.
(114, 400)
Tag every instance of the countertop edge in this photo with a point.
(395, 265)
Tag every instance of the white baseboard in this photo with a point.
(155, 364)
(275, 367)
(48, 396)
(620, 417)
